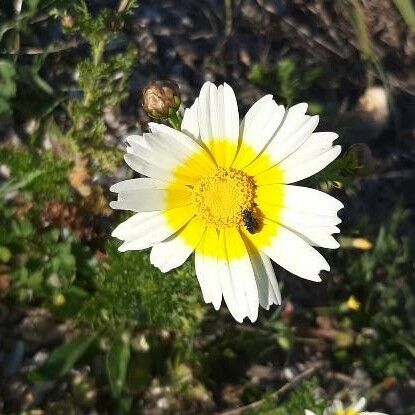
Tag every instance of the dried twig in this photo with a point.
(280, 392)
(40, 51)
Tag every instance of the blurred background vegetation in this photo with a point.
(86, 330)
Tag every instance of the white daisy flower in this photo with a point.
(355, 409)
(223, 189)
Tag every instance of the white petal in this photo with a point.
(136, 142)
(359, 405)
(219, 120)
(290, 216)
(295, 255)
(230, 115)
(161, 167)
(138, 185)
(257, 128)
(145, 201)
(317, 144)
(145, 229)
(166, 150)
(308, 212)
(299, 205)
(319, 141)
(308, 412)
(149, 169)
(168, 141)
(232, 294)
(314, 228)
(295, 129)
(190, 123)
(204, 116)
(147, 194)
(337, 405)
(124, 229)
(237, 277)
(311, 166)
(207, 268)
(372, 413)
(267, 284)
(174, 251)
(285, 144)
(261, 122)
(232, 290)
(304, 199)
(292, 131)
(316, 235)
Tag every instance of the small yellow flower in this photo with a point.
(353, 304)
(363, 244)
(358, 243)
(59, 300)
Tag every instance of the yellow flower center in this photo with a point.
(346, 412)
(220, 198)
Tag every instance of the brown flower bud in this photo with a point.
(113, 22)
(161, 99)
(68, 21)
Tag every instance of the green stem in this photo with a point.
(228, 17)
(407, 11)
(98, 51)
(175, 120)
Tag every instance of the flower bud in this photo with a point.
(68, 21)
(113, 22)
(161, 99)
(59, 300)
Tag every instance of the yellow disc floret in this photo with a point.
(221, 197)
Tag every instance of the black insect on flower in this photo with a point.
(250, 222)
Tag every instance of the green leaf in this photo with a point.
(118, 358)
(5, 254)
(7, 78)
(61, 360)
(359, 23)
(407, 10)
(8, 86)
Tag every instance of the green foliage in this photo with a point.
(132, 292)
(388, 301)
(101, 89)
(100, 29)
(407, 10)
(26, 94)
(287, 79)
(43, 264)
(358, 20)
(15, 24)
(8, 90)
(103, 83)
(118, 358)
(42, 176)
(337, 174)
(304, 397)
(62, 360)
